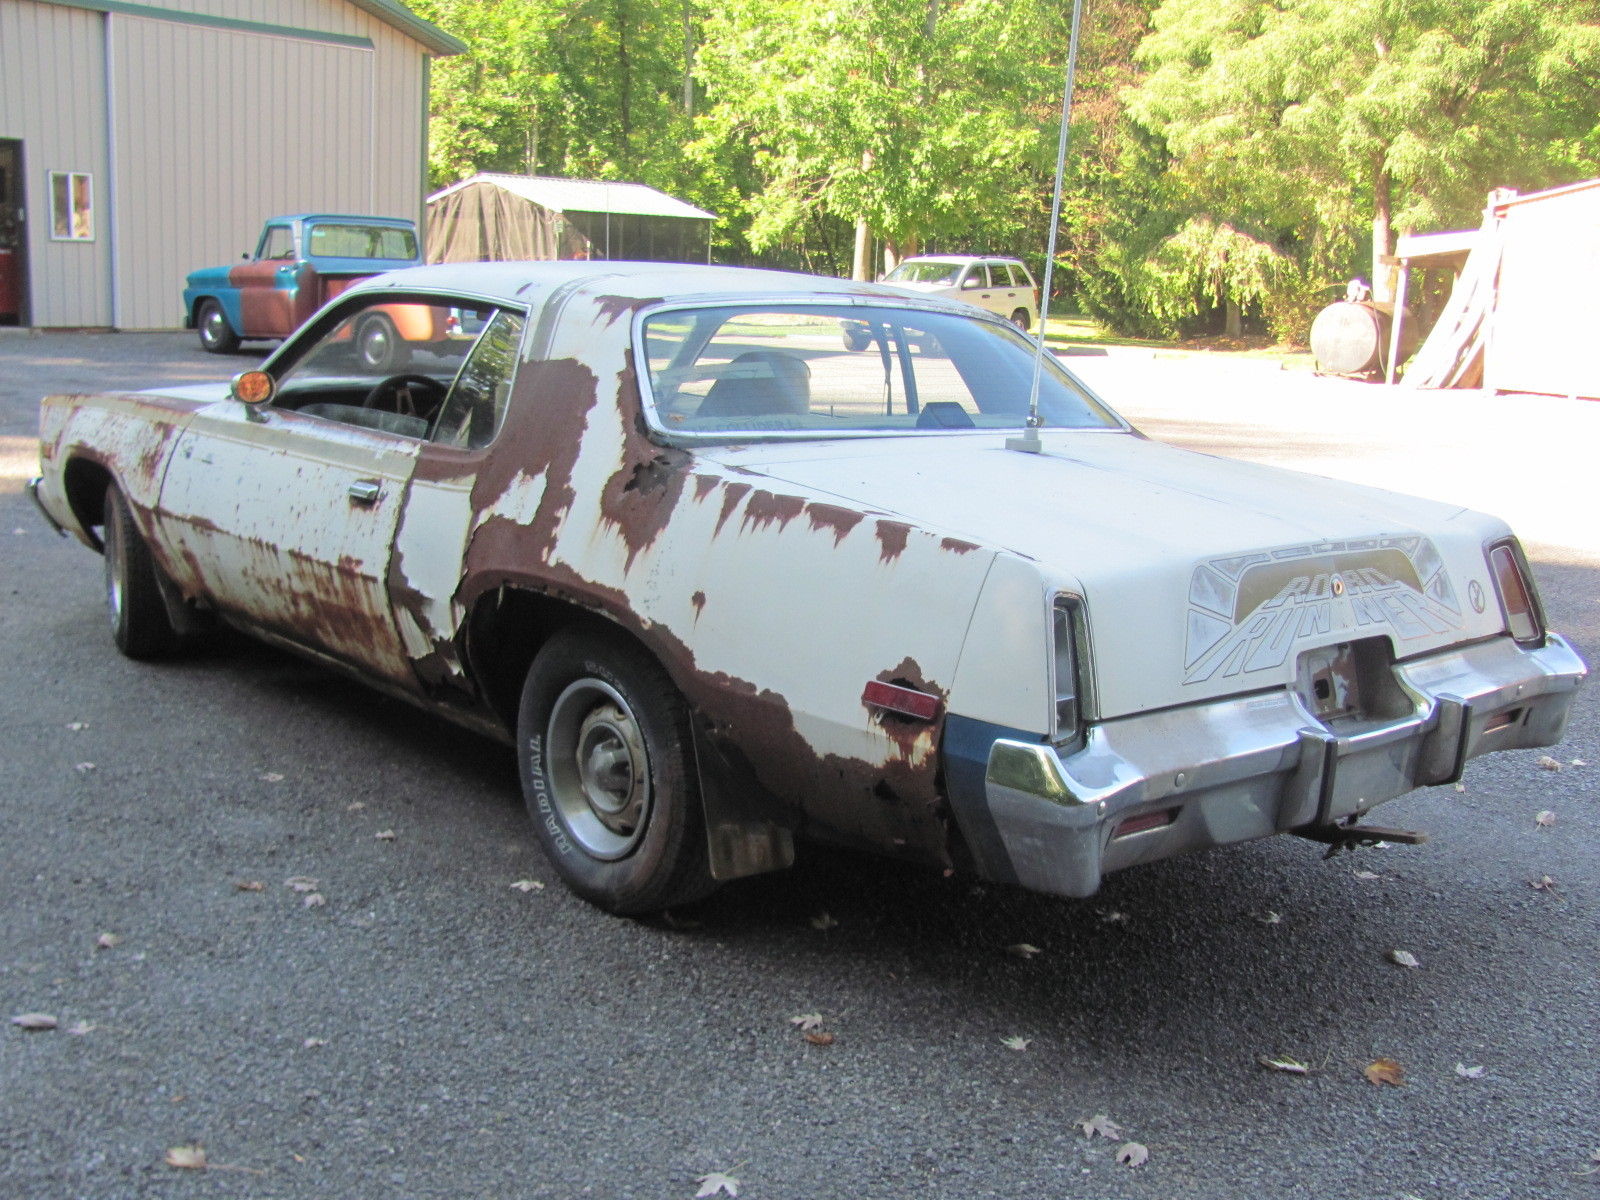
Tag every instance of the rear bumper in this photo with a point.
(1234, 770)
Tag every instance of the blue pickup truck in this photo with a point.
(300, 263)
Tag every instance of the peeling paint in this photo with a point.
(892, 537)
(831, 516)
(764, 508)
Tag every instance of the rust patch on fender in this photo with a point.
(909, 734)
(731, 496)
(765, 508)
(957, 546)
(892, 536)
(831, 516)
(704, 485)
(641, 495)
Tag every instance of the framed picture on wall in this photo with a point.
(71, 206)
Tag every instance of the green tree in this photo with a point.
(908, 118)
(1291, 123)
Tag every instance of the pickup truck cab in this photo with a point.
(300, 263)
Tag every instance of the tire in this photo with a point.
(216, 335)
(1021, 320)
(140, 624)
(379, 346)
(606, 759)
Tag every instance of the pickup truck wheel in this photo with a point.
(140, 626)
(607, 764)
(216, 335)
(379, 346)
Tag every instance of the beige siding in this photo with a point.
(52, 98)
(212, 130)
(1541, 338)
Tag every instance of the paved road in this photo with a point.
(429, 1031)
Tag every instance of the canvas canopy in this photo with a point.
(1526, 301)
(490, 218)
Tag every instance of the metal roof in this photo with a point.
(407, 22)
(585, 195)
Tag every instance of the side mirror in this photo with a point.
(252, 388)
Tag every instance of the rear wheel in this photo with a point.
(379, 346)
(607, 764)
(216, 335)
(1021, 320)
(140, 624)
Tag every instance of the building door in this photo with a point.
(13, 235)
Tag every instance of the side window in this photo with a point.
(977, 276)
(277, 245)
(476, 406)
(1005, 275)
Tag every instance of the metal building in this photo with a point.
(140, 141)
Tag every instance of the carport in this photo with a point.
(491, 218)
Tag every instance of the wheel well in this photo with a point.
(507, 628)
(85, 483)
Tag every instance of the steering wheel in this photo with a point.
(408, 395)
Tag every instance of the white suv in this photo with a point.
(1001, 285)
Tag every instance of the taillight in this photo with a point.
(1064, 673)
(1516, 594)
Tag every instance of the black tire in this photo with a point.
(379, 346)
(216, 335)
(140, 624)
(607, 764)
(1020, 319)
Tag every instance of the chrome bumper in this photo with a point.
(1234, 770)
(32, 488)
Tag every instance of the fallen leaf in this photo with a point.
(80, 1028)
(1543, 884)
(270, 777)
(1132, 1154)
(34, 1022)
(1577, 762)
(1113, 917)
(1101, 1125)
(313, 1042)
(1547, 763)
(1270, 918)
(807, 1021)
(1023, 950)
(527, 885)
(249, 885)
(1385, 1070)
(107, 941)
(314, 900)
(300, 883)
(77, 726)
(824, 922)
(384, 835)
(83, 768)
(818, 1038)
(355, 806)
(1403, 958)
(1545, 819)
(1289, 1066)
(188, 1158)
(1366, 875)
(714, 1182)
(1016, 1043)
(1467, 1072)
(1461, 787)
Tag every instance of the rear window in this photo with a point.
(829, 371)
(331, 240)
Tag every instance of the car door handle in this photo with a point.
(365, 492)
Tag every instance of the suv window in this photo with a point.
(977, 276)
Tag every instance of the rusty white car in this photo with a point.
(725, 582)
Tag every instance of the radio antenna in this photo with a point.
(1028, 443)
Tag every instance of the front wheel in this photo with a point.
(606, 758)
(379, 346)
(216, 335)
(140, 624)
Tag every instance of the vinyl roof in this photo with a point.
(585, 195)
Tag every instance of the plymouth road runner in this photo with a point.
(735, 557)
